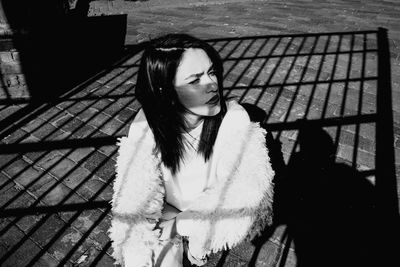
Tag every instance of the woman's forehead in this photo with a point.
(194, 61)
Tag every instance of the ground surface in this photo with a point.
(57, 161)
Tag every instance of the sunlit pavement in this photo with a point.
(296, 59)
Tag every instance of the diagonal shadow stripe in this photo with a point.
(95, 142)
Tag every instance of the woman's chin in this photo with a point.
(214, 110)
(206, 111)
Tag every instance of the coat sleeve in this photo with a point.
(137, 199)
(237, 206)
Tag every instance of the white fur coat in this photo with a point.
(238, 206)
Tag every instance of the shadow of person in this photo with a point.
(329, 207)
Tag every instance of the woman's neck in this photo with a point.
(192, 121)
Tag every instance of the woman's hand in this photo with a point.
(168, 229)
(167, 222)
(191, 258)
(169, 212)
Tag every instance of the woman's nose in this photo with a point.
(211, 82)
(212, 87)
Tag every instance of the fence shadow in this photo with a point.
(316, 94)
(335, 85)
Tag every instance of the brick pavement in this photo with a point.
(57, 162)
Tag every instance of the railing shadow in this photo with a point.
(58, 156)
(334, 83)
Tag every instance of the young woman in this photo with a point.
(193, 174)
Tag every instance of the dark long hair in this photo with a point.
(156, 93)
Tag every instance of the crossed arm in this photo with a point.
(168, 225)
(167, 222)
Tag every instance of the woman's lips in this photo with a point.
(213, 100)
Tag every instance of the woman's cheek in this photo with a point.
(190, 98)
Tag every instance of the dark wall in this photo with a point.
(59, 47)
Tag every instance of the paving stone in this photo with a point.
(46, 229)
(244, 251)
(26, 223)
(112, 149)
(23, 255)
(61, 247)
(27, 177)
(99, 120)
(230, 260)
(36, 156)
(110, 76)
(72, 125)
(85, 131)
(101, 165)
(268, 255)
(113, 109)
(46, 132)
(33, 125)
(4, 182)
(86, 220)
(8, 193)
(87, 114)
(42, 185)
(100, 232)
(64, 105)
(79, 154)
(61, 118)
(77, 177)
(106, 194)
(49, 114)
(47, 160)
(99, 90)
(365, 158)
(8, 159)
(63, 167)
(120, 78)
(56, 195)
(16, 167)
(85, 254)
(106, 261)
(126, 115)
(77, 108)
(8, 111)
(112, 127)
(9, 238)
(16, 137)
(46, 260)
(90, 188)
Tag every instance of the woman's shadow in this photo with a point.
(329, 208)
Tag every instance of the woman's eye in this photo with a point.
(212, 72)
(194, 81)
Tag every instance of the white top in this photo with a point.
(193, 176)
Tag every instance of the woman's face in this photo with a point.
(196, 83)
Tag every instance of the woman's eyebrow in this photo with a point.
(199, 74)
(194, 75)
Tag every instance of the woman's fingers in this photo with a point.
(168, 229)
